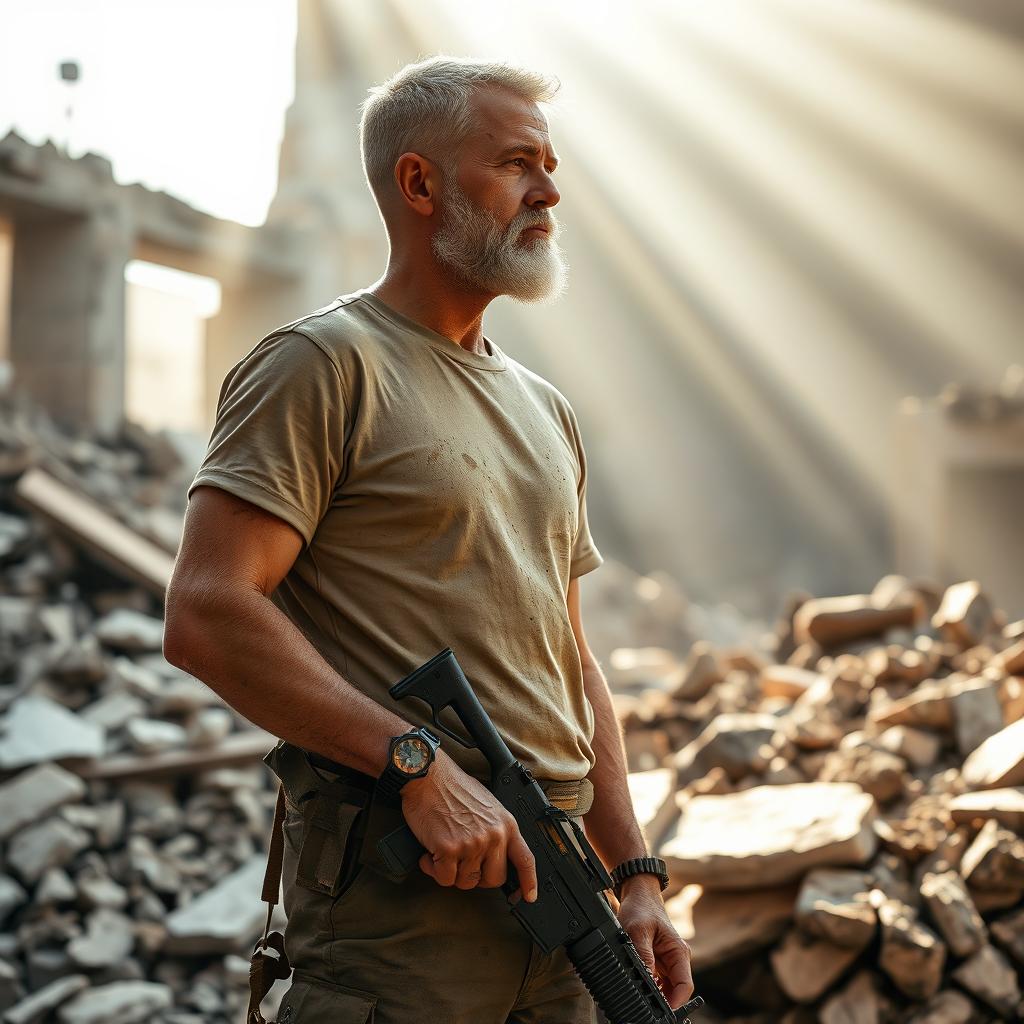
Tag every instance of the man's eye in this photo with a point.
(518, 160)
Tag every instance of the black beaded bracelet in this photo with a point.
(639, 866)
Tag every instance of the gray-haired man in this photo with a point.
(382, 482)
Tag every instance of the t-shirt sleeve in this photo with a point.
(585, 555)
(278, 438)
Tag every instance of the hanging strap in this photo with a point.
(266, 967)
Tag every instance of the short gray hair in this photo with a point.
(426, 106)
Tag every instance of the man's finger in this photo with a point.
(494, 867)
(468, 875)
(673, 959)
(525, 865)
(442, 868)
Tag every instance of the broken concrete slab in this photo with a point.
(912, 954)
(108, 939)
(95, 530)
(799, 827)
(37, 729)
(989, 976)
(51, 843)
(999, 761)
(38, 1005)
(119, 1002)
(954, 913)
(124, 629)
(721, 926)
(977, 713)
(806, 967)
(995, 860)
(34, 794)
(1003, 805)
(857, 1003)
(223, 919)
(835, 905)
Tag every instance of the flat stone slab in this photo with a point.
(224, 917)
(129, 630)
(38, 729)
(999, 761)
(721, 926)
(34, 794)
(119, 1002)
(40, 1004)
(1005, 805)
(768, 835)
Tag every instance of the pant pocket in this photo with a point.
(322, 1002)
(327, 853)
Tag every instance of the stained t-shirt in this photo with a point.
(441, 494)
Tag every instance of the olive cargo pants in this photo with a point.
(367, 948)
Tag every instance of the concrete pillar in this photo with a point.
(67, 315)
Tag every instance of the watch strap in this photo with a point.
(639, 866)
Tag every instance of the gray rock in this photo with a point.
(12, 896)
(114, 710)
(100, 891)
(223, 918)
(108, 939)
(36, 1007)
(10, 986)
(55, 887)
(150, 735)
(120, 1002)
(137, 679)
(19, 617)
(37, 729)
(209, 726)
(51, 843)
(1008, 931)
(127, 630)
(34, 794)
(44, 966)
(79, 663)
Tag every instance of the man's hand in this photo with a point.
(642, 913)
(470, 837)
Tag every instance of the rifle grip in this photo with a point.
(400, 850)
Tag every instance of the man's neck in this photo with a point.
(437, 303)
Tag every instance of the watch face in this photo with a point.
(411, 755)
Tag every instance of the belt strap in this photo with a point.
(266, 968)
(575, 797)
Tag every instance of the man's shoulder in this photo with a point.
(540, 387)
(337, 329)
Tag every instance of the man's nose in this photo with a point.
(544, 193)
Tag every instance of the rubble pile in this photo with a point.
(843, 817)
(134, 811)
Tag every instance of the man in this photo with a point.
(382, 482)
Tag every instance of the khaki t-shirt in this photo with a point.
(441, 495)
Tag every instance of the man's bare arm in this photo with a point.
(222, 627)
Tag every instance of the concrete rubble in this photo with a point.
(134, 812)
(839, 798)
(842, 808)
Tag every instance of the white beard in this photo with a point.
(483, 255)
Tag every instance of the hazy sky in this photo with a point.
(168, 89)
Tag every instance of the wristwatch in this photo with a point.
(639, 866)
(409, 757)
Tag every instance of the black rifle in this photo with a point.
(571, 908)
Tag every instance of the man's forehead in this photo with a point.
(502, 115)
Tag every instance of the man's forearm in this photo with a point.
(247, 650)
(611, 824)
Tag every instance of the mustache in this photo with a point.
(534, 219)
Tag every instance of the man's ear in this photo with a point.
(417, 179)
